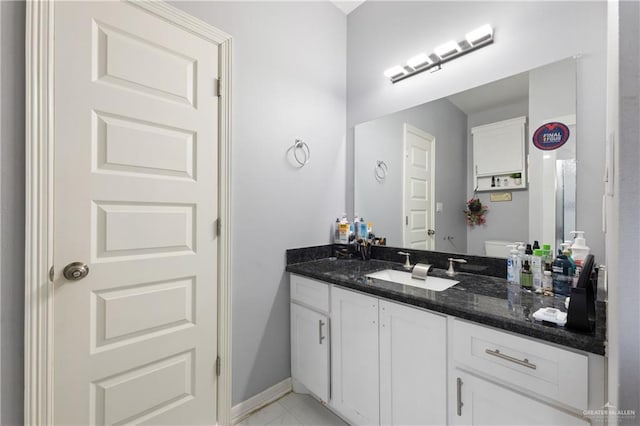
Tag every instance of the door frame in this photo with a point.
(406, 128)
(39, 61)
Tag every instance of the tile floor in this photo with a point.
(293, 409)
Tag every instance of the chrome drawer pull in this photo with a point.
(459, 394)
(320, 336)
(524, 363)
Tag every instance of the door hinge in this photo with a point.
(217, 227)
(218, 366)
(217, 87)
(51, 274)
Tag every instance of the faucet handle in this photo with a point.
(407, 262)
(451, 271)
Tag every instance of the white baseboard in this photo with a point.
(240, 411)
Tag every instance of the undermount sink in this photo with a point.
(401, 277)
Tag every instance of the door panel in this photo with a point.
(136, 190)
(418, 195)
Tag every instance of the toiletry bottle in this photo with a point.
(526, 278)
(547, 281)
(356, 226)
(521, 257)
(493, 181)
(363, 230)
(369, 229)
(536, 245)
(512, 266)
(579, 249)
(566, 250)
(344, 230)
(528, 252)
(562, 275)
(547, 257)
(336, 231)
(536, 266)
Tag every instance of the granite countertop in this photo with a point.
(483, 299)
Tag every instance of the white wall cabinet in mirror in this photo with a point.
(499, 155)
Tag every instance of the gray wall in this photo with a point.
(12, 151)
(382, 34)
(381, 202)
(289, 62)
(627, 293)
(506, 220)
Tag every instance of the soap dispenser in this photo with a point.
(579, 249)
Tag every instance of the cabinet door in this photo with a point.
(413, 356)
(478, 402)
(354, 360)
(310, 350)
(498, 148)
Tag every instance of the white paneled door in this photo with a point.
(136, 200)
(419, 189)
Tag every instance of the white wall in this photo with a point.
(289, 62)
(527, 35)
(12, 157)
(382, 202)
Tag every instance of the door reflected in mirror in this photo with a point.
(428, 151)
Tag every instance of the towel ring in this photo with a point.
(380, 171)
(301, 152)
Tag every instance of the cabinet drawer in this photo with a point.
(310, 292)
(532, 366)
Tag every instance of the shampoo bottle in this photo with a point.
(513, 265)
(363, 233)
(562, 275)
(336, 231)
(536, 265)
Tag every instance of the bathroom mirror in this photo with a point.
(413, 169)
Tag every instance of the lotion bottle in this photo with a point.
(536, 265)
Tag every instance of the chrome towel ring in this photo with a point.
(301, 152)
(380, 171)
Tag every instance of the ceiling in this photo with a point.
(501, 92)
(347, 6)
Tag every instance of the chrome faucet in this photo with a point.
(451, 271)
(407, 262)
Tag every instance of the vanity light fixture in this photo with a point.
(419, 61)
(448, 49)
(475, 39)
(395, 72)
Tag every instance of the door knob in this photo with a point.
(431, 232)
(75, 271)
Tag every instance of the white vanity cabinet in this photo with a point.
(498, 153)
(388, 361)
(394, 364)
(310, 336)
(355, 379)
(481, 402)
(499, 378)
(413, 353)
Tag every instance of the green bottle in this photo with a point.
(526, 277)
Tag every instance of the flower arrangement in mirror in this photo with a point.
(475, 212)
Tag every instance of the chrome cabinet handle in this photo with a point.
(75, 271)
(320, 336)
(524, 363)
(459, 393)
